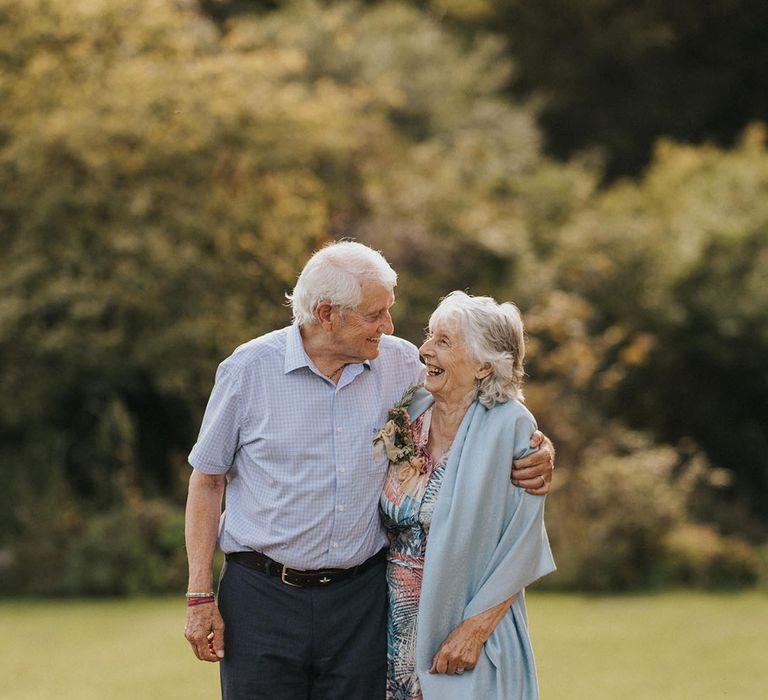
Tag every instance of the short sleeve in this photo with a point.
(219, 437)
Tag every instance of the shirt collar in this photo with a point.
(295, 355)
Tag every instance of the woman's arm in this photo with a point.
(462, 647)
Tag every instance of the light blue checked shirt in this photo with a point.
(303, 484)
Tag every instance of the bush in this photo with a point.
(608, 522)
(622, 520)
(697, 555)
(135, 549)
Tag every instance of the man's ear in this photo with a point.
(323, 313)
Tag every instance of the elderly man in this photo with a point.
(288, 429)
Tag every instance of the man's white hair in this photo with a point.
(335, 274)
(493, 334)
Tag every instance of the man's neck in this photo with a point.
(319, 348)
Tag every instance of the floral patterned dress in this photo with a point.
(407, 503)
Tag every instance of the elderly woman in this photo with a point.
(465, 542)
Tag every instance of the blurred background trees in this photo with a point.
(167, 167)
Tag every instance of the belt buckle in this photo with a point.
(286, 582)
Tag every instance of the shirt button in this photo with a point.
(335, 545)
(341, 507)
(339, 429)
(342, 470)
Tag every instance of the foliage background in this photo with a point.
(166, 167)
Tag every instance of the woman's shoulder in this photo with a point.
(511, 424)
(511, 410)
(419, 403)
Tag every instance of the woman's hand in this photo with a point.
(462, 647)
(460, 650)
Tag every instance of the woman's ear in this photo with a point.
(484, 371)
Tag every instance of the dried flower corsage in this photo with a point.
(396, 440)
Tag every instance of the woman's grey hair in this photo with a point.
(334, 274)
(493, 334)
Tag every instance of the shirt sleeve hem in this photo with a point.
(206, 467)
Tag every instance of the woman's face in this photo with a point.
(452, 374)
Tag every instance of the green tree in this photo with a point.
(138, 157)
(676, 266)
(164, 175)
(163, 178)
(618, 75)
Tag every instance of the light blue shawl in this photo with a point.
(486, 542)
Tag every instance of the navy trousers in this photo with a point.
(286, 643)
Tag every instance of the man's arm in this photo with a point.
(205, 628)
(534, 472)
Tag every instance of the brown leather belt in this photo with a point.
(298, 577)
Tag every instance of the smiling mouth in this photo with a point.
(433, 371)
(374, 340)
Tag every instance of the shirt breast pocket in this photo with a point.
(378, 462)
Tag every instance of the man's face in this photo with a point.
(357, 333)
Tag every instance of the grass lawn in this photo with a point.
(674, 646)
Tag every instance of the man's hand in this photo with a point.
(205, 631)
(534, 472)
